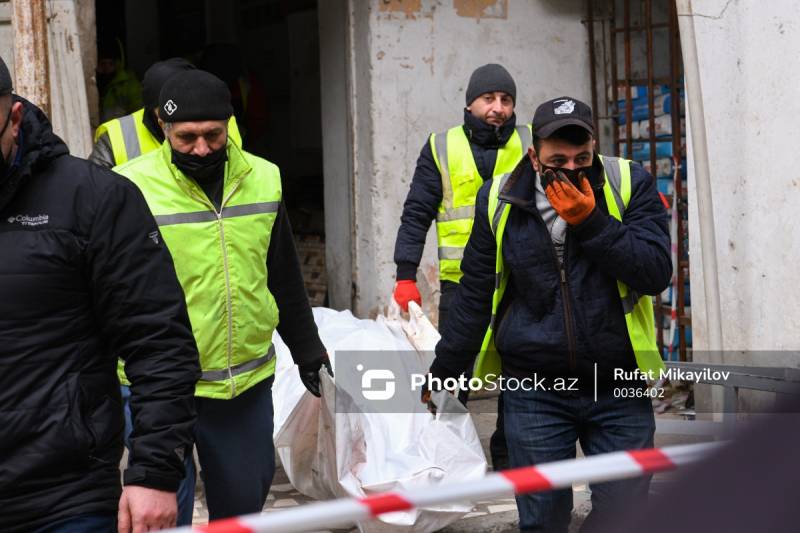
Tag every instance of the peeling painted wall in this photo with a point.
(748, 83)
(411, 60)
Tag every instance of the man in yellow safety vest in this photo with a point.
(565, 253)
(451, 168)
(220, 211)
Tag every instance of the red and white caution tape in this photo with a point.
(549, 476)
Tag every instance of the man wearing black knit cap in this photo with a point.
(130, 136)
(451, 168)
(85, 279)
(220, 212)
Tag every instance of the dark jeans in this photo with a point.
(543, 426)
(497, 444)
(236, 454)
(82, 524)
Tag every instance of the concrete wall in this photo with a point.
(410, 63)
(337, 142)
(748, 79)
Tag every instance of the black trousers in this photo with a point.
(497, 443)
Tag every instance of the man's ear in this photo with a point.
(532, 157)
(16, 118)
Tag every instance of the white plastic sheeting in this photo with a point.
(329, 452)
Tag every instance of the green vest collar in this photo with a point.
(236, 169)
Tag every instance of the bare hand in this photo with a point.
(142, 509)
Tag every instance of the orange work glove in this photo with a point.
(406, 291)
(571, 204)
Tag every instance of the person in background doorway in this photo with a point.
(119, 88)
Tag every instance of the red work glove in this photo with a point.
(406, 291)
(571, 204)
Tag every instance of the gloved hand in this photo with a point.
(571, 204)
(437, 374)
(425, 397)
(406, 291)
(309, 374)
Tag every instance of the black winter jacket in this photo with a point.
(546, 327)
(84, 278)
(425, 195)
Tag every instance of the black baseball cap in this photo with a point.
(559, 112)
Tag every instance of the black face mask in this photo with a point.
(4, 163)
(201, 168)
(549, 174)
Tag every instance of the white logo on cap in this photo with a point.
(564, 108)
(170, 107)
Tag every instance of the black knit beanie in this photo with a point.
(490, 78)
(194, 95)
(157, 75)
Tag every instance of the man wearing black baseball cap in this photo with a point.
(221, 214)
(85, 279)
(565, 305)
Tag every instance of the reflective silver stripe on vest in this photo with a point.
(440, 143)
(629, 302)
(451, 252)
(525, 136)
(498, 212)
(492, 321)
(221, 375)
(130, 137)
(611, 166)
(210, 216)
(250, 209)
(466, 212)
(498, 279)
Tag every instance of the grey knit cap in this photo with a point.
(490, 78)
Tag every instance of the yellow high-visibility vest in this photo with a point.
(221, 261)
(460, 183)
(639, 317)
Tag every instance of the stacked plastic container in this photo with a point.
(641, 135)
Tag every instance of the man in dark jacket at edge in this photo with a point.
(451, 167)
(85, 278)
(562, 315)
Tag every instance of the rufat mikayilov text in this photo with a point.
(673, 374)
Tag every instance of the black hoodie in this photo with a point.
(85, 278)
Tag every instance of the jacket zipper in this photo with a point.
(229, 300)
(228, 291)
(564, 286)
(567, 308)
